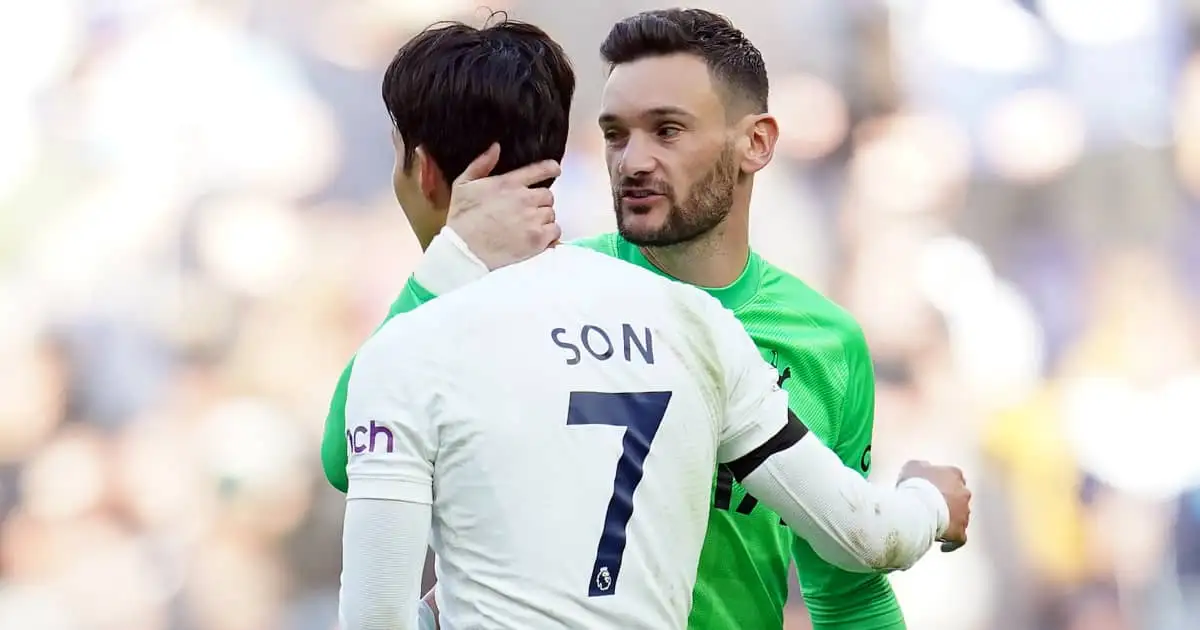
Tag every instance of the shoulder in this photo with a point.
(402, 345)
(585, 254)
(584, 269)
(604, 243)
(804, 313)
(820, 353)
(801, 305)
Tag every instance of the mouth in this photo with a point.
(640, 196)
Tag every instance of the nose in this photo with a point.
(637, 158)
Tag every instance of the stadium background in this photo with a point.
(196, 232)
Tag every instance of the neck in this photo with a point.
(426, 233)
(714, 260)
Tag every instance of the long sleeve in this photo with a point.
(383, 555)
(393, 447)
(850, 523)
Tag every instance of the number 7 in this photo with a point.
(641, 414)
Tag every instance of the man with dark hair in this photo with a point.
(685, 120)
(568, 409)
(454, 91)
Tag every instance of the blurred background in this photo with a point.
(196, 232)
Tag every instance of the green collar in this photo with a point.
(731, 296)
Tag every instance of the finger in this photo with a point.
(541, 215)
(481, 166)
(542, 236)
(552, 232)
(531, 174)
(538, 197)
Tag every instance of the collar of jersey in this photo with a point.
(731, 296)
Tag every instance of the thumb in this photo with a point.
(481, 166)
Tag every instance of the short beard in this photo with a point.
(705, 208)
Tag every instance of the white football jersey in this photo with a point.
(563, 416)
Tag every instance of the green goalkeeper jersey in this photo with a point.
(823, 363)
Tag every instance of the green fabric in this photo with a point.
(825, 367)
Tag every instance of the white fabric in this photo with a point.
(473, 391)
(383, 554)
(426, 617)
(448, 264)
(849, 522)
(506, 403)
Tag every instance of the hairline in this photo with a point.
(737, 102)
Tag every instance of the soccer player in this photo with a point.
(408, 417)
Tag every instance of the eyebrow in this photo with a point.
(664, 111)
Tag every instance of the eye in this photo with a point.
(668, 132)
(613, 135)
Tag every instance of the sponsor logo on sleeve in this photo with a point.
(370, 438)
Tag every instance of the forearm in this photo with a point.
(849, 522)
(448, 264)
(383, 554)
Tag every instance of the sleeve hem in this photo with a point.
(391, 489)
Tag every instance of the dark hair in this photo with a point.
(730, 56)
(455, 89)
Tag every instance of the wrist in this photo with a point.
(448, 264)
(929, 495)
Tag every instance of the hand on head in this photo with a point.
(504, 219)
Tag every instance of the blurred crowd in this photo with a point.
(196, 232)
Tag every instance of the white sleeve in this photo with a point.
(448, 264)
(849, 522)
(390, 419)
(756, 407)
(383, 555)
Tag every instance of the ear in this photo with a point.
(758, 135)
(431, 180)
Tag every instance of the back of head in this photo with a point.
(733, 61)
(455, 89)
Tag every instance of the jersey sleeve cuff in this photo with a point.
(391, 489)
(448, 264)
(932, 497)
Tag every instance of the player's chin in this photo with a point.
(641, 232)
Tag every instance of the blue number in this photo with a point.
(641, 414)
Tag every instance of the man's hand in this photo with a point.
(950, 482)
(501, 218)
